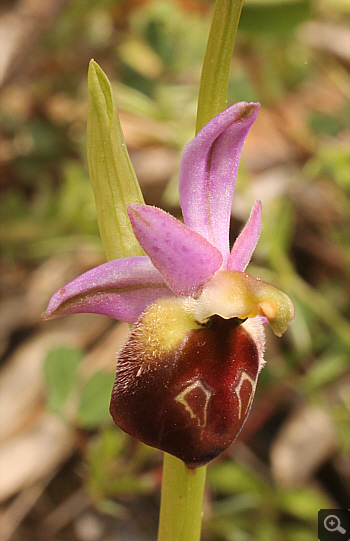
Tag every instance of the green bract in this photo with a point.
(112, 175)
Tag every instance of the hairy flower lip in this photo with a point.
(190, 399)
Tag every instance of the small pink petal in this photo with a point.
(184, 258)
(246, 242)
(121, 289)
(208, 173)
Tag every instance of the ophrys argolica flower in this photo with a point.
(186, 376)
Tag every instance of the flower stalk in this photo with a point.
(182, 501)
(182, 494)
(216, 66)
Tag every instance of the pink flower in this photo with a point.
(186, 376)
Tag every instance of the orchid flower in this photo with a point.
(186, 376)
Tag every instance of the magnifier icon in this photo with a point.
(332, 524)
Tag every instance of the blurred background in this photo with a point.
(66, 473)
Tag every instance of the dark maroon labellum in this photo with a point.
(193, 401)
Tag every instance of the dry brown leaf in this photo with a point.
(22, 383)
(33, 454)
(305, 442)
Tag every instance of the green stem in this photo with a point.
(182, 501)
(182, 493)
(216, 66)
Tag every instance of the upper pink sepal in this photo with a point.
(246, 242)
(121, 289)
(208, 173)
(185, 259)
